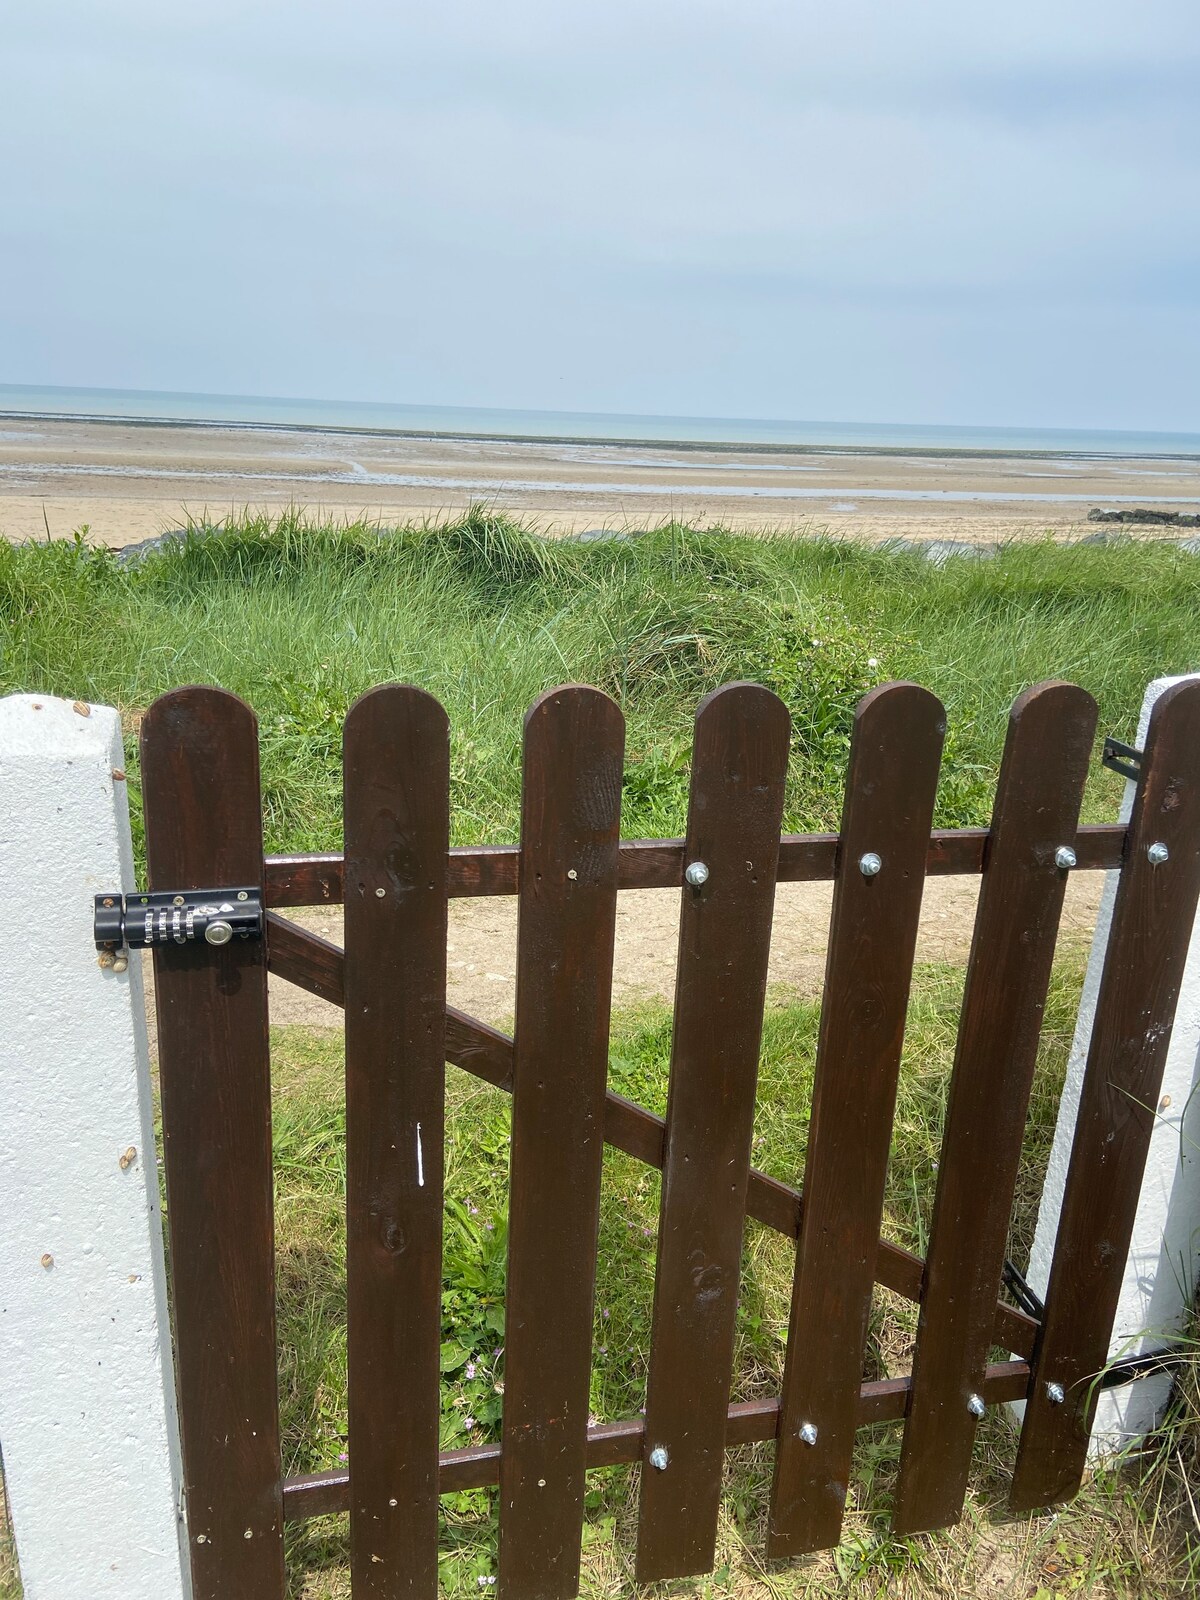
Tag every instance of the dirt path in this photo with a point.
(482, 944)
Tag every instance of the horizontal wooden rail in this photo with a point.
(314, 964)
(611, 1444)
(316, 880)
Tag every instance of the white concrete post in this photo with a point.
(87, 1404)
(1164, 1256)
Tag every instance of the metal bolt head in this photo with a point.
(696, 874)
(1055, 1393)
(659, 1458)
(178, 900)
(1157, 853)
(242, 894)
(870, 864)
(218, 933)
(976, 1406)
(1064, 857)
(808, 1434)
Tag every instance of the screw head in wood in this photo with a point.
(870, 864)
(976, 1406)
(1064, 857)
(1055, 1393)
(808, 1434)
(1157, 853)
(696, 874)
(659, 1458)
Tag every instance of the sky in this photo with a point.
(930, 212)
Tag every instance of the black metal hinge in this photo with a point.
(186, 916)
(1016, 1284)
(1122, 758)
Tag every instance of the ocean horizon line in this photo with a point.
(181, 408)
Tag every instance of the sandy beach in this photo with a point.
(125, 482)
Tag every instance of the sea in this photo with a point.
(486, 422)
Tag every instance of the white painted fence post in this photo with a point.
(1164, 1257)
(87, 1404)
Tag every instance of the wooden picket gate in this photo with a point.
(204, 828)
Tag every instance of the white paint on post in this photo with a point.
(1164, 1256)
(87, 1405)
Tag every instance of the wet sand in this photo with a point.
(126, 482)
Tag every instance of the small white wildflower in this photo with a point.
(872, 661)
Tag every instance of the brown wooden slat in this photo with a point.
(314, 880)
(570, 830)
(1042, 776)
(396, 757)
(304, 880)
(199, 758)
(315, 964)
(312, 963)
(895, 752)
(1151, 927)
(305, 959)
(739, 768)
(611, 1444)
(1100, 847)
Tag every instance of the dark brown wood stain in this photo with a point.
(1152, 922)
(739, 767)
(1042, 775)
(895, 754)
(474, 870)
(199, 758)
(397, 809)
(314, 964)
(570, 823)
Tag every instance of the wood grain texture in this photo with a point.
(200, 787)
(1151, 928)
(1042, 776)
(314, 880)
(319, 1494)
(895, 754)
(316, 965)
(739, 768)
(570, 828)
(396, 757)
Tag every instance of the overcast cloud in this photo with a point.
(938, 212)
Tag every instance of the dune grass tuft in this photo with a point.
(301, 617)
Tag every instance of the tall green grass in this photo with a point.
(1128, 1535)
(300, 618)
